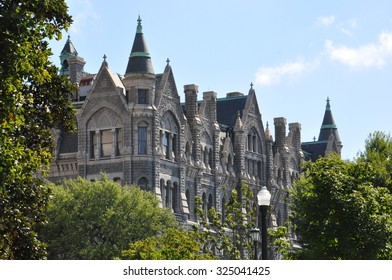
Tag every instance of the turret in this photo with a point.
(139, 79)
(139, 60)
(328, 140)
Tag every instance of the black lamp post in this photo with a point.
(255, 235)
(264, 201)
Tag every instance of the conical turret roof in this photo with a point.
(328, 126)
(69, 48)
(139, 59)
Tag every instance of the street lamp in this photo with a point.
(264, 201)
(255, 235)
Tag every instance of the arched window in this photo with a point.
(175, 197)
(104, 135)
(163, 191)
(142, 138)
(210, 158)
(204, 206)
(168, 190)
(210, 205)
(206, 157)
(259, 169)
(254, 141)
(143, 184)
(223, 210)
(169, 136)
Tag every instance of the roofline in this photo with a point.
(314, 142)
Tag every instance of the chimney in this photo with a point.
(280, 131)
(191, 101)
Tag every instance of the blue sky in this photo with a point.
(296, 53)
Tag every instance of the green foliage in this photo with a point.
(174, 244)
(33, 99)
(280, 242)
(97, 220)
(228, 238)
(378, 152)
(339, 214)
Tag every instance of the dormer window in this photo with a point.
(142, 96)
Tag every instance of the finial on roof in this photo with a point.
(251, 85)
(139, 25)
(168, 61)
(104, 61)
(238, 124)
(314, 138)
(69, 37)
(328, 108)
(267, 132)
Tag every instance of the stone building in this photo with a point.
(134, 128)
(328, 140)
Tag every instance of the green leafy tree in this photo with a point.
(97, 220)
(228, 238)
(378, 151)
(339, 214)
(174, 244)
(281, 243)
(33, 99)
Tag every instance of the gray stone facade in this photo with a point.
(136, 130)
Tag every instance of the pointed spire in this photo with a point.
(267, 132)
(69, 48)
(139, 59)
(238, 124)
(328, 126)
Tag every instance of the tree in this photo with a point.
(97, 220)
(281, 244)
(338, 213)
(174, 244)
(33, 99)
(378, 151)
(228, 237)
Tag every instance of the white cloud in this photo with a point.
(348, 27)
(325, 20)
(83, 14)
(273, 75)
(369, 55)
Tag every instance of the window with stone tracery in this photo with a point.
(253, 155)
(104, 140)
(169, 137)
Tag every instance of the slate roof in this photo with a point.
(227, 109)
(69, 47)
(328, 126)
(140, 59)
(314, 149)
(317, 148)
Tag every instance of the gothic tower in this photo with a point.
(72, 65)
(328, 140)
